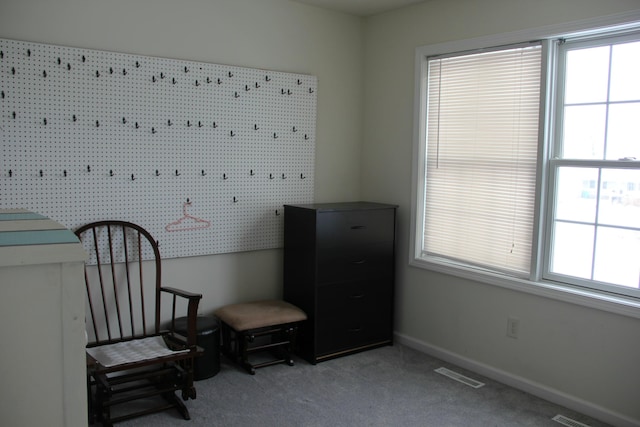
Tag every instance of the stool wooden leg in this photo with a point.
(243, 353)
(290, 347)
(226, 347)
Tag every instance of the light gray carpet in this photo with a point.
(389, 386)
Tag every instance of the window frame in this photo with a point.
(537, 44)
(535, 284)
(556, 161)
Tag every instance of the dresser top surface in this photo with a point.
(343, 206)
(28, 238)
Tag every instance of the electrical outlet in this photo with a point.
(513, 327)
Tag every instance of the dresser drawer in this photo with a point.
(352, 315)
(354, 228)
(337, 337)
(374, 261)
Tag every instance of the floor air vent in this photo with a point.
(565, 421)
(459, 377)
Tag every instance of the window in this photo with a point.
(594, 232)
(528, 162)
(482, 139)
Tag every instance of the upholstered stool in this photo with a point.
(259, 326)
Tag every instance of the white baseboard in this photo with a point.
(520, 383)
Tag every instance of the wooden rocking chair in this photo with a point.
(129, 357)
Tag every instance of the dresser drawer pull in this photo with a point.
(354, 329)
(358, 227)
(360, 261)
(357, 296)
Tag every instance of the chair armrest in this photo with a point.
(192, 313)
(180, 292)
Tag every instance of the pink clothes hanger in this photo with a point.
(187, 222)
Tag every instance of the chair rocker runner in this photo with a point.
(129, 357)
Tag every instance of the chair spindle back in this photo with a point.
(123, 290)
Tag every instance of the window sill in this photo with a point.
(617, 304)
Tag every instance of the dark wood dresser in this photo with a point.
(339, 268)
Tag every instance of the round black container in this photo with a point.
(208, 337)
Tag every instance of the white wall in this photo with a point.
(585, 357)
(269, 34)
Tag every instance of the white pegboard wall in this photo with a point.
(202, 155)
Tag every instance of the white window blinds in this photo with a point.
(482, 143)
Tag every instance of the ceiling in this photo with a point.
(360, 7)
